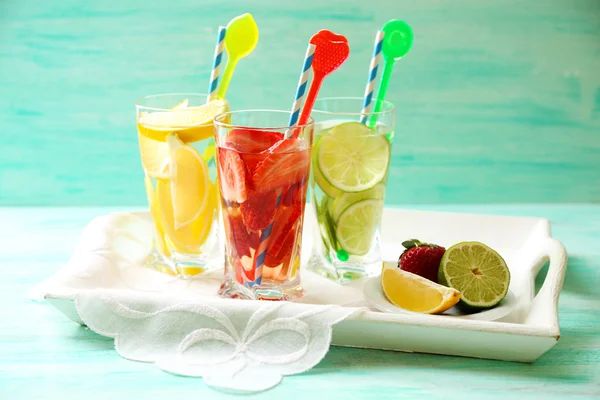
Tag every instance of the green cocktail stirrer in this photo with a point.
(397, 41)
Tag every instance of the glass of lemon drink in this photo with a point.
(349, 171)
(175, 133)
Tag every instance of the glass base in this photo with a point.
(184, 266)
(344, 271)
(274, 292)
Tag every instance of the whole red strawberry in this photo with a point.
(422, 259)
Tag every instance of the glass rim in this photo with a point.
(389, 107)
(217, 120)
(138, 102)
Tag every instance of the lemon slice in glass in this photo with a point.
(155, 157)
(190, 181)
(155, 154)
(191, 124)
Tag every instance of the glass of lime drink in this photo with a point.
(350, 163)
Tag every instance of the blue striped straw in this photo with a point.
(214, 75)
(302, 83)
(375, 59)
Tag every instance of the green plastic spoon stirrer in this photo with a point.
(397, 41)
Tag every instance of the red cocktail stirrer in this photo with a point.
(331, 51)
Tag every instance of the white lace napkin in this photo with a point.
(182, 326)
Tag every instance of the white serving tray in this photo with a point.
(526, 244)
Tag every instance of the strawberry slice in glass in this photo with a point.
(251, 142)
(286, 163)
(233, 176)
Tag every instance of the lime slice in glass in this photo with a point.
(477, 271)
(347, 199)
(326, 226)
(356, 226)
(351, 158)
(325, 186)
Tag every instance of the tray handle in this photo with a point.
(544, 306)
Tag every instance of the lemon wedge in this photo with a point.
(186, 239)
(159, 237)
(191, 124)
(415, 293)
(155, 154)
(155, 157)
(184, 207)
(189, 182)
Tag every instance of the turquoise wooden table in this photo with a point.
(43, 355)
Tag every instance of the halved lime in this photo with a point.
(352, 158)
(477, 271)
(356, 226)
(340, 204)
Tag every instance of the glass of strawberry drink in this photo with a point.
(263, 167)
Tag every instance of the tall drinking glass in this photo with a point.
(175, 133)
(263, 167)
(350, 163)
